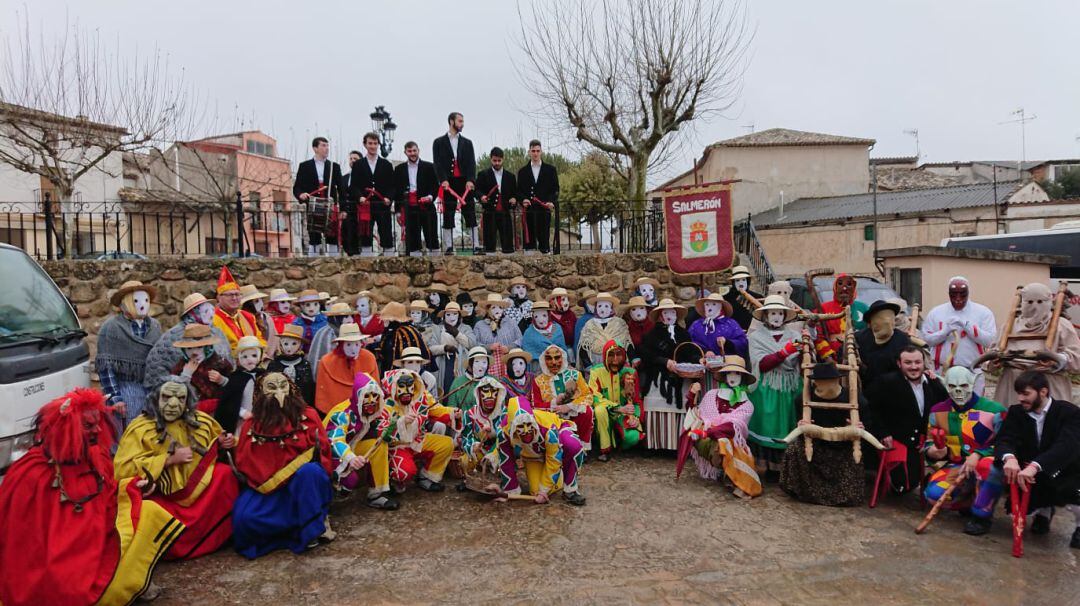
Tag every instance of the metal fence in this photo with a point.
(113, 230)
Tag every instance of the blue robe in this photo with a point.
(288, 518)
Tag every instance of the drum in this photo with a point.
(319, 210)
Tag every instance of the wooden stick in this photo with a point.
(936, 508)
(913, 321)
(1019, 504)
(1006, 330)
(853, 383)
(1059, 302)
(750, 299)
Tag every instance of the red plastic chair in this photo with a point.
(889, 460)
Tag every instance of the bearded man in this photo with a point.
(357, 429)
(69, 532)
(285, 456)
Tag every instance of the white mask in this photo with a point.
(433, 299)
(413, 366)
(310, 309)
(741, 284)
(416, 316)
(647, 291)
(290, 347)
(468, 309)
(351, 349)
(258, 305)
(363, 306)
(638, 314)
(733, 379)
(204, 314)
(540, 317)
(604, 309)
(496, 312)
(669, 316)
(712, 309)
(451, 318)
(479, 366)
(195, 353)
(248, 359)
(518, 366)
(141, 303)
(961, 383)
(347, 320)
(775, 317)
(519, 291)
(283, 308)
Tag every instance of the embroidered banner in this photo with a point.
(698, 229)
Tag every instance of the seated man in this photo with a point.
(69, 532)
(617, 409)
(1039, 447)
(564, 391)
(411, 445)
(284, 454)
(356, 428)
(477, 364)
(551, 453)
(176, 448)
(962, 430)
(483, 422)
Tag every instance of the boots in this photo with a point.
(448, 241)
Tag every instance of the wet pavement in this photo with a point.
(643, 538)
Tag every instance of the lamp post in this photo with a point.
(383, 125)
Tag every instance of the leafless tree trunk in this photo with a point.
(624, 75)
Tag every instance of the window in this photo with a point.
(217, 246)
(30, 303)
(908, 284)
(260, 148)
(868, 233)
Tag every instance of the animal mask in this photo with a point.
(276, 385)
(961, 384)
(172, 401)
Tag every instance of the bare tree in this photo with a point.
(624, 75)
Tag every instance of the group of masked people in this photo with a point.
(424, 195)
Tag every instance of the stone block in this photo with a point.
(171, 274)
(354, 282)
(266, 279)
(85, 292)
(296, 273)
(421, 280)
(608, 283)
(501, 269)
(472, 281)
(686, 295)
(381, 279)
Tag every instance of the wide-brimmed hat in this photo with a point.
(464, 298)
(541, 305)
(646, 280)
(880, 305)
(604, 296)
(249, 292)
(824, 370)
(439, 287)
(740, 271)
(517, 352)
(493, 299)
(308, 296)
(196, 335)
(394, 312)
(636, 301)
(585, 296)
(325, 296)
(293, 331)
(737, 364)
(194, 300)
(654, 313)
(451, 306)
(339, 309)
(350, 333)
(518, 280)
(129, 287)
(774, 303)
(478, 351)
(411, 354)
(278, 295)
(419, 305)
(249, 342)
(558, 291)
(715, 297)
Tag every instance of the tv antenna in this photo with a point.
(1022, 119)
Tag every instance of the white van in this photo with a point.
(42, 353)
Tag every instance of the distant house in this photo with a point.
(984, 171)
(839, 231)
(780, 165)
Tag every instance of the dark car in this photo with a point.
(867, 290)
(112, 255)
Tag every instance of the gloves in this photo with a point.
(789, 348)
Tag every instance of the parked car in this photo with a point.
(867, 290)
(42, 352)
(111, 255)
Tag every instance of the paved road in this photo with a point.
(643, 538)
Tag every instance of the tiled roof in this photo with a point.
(912, 201)
(894, 160)
(894, 179)
(776, 137)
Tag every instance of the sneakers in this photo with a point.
(574, 498)
(603, 457)
(977, 526)
(1040, 525)
(430, 485)
(383, 502)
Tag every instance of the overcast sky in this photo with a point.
(954, 70)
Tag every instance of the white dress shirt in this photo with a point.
(535, 171)
(920, 396)
(372, 163)
(1040, 422)
(498, 177)
(453, 143)
(320, 166)
(412, 168)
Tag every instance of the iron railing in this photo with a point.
(747, 243)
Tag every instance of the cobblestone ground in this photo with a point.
(642, 538)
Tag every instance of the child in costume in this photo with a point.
(239, 391)
(291, 362)
(311, 317)
(200, 365)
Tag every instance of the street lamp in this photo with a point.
(383, 125)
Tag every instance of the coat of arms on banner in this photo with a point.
(701, 235)
(697, 228)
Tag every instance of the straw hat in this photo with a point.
(350, 333)
(517, 352)
(340, 309)
(636, 301)
(541, 305)
(585, 296)
(715, 297)
(394, 312)
(439, 288)
(518, 280)
(558, 291)
(477, 352)
(308, 296)
(250, 342)
(196, 335)
(411, 354)
(325, 296)
(419, 305)
(451, 306)
(493, 299)
(737, 364)
(774, 302)
(129, 287)
(248, 292)
(604, 296)
(740, 271)
(654, 313)
(194, 300)
(646, 280)
(278, 295)
(293, 331)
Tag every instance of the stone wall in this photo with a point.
(89, 283)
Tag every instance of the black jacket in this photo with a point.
(895, 410)
(442, 155)
(307, 179)
(875, 360)
(485, 181)
(739, 310)
(1058, 453)
(545, 188)
(301, 371)
(426, 183)
(382, 180)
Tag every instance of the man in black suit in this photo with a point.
(372, 193)
(318, 178)
(900, 405)
(498, 194)
(346, 179)
(415, 182)
(1039, 447)
(538, 190)
(455, 168)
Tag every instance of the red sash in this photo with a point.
(233, 326)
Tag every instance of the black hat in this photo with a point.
(463, 297)
(824, 370)
(880, 305)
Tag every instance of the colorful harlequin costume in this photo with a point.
(69, 532)
(284, 454)
(354, 428)
(565, 386)
(718, 427)
(609, 381)
(199, 493)
(240, 324)
(411, 440)
(964, 430)
(483, 422)
(548, 447)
